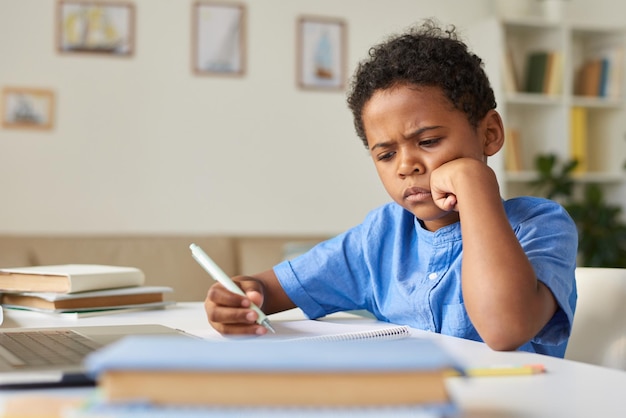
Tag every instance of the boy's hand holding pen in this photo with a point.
(218, 274)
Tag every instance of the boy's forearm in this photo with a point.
(504, 299)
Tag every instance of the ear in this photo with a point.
(493, 133)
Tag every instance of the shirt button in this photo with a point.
(432, 276)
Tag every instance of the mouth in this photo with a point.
(416, 194)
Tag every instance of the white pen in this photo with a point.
(218, 274)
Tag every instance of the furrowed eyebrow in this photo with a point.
(380, 145)
(411, 135)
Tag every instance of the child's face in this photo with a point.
(410, 132)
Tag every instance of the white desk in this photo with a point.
(568, 389)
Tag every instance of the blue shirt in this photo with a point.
(402, 273)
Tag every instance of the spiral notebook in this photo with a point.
(387, 333)
(338, 328)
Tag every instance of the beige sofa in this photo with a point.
(166, 260)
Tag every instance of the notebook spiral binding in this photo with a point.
(393, 333)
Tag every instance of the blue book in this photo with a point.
(604, 77)
(183, 371)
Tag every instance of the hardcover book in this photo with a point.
(68, 278)
(536, 70)
(74, 302)
(180, 371)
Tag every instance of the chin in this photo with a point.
(427, 217)
(432, 214)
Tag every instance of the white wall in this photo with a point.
(141, 145)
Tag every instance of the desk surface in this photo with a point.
(568, 389)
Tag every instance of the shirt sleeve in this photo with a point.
(328, 278)
(337, 274)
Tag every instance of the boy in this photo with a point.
(448, 254)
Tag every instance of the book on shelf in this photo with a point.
(181, 371)
(536, 64)
(126, 297)
(512, 151)
(615, 77)
(578, 138)
(544, 72)
(69, 278)
(588, 78)
(604, 77)
(553, 83)
(602, 74)
(510, 79)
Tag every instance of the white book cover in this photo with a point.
(84, 277)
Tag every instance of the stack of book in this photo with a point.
(79, 289)
(156, 374)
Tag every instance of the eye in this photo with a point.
(385, 156)
(427, 143)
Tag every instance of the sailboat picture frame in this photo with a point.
(321, 55)
(96, 27)
(218, 39)
(27, 108)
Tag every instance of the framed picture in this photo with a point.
(219, 39)
(96, 27)
(321, 55)
(25, 108)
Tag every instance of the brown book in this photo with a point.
(588, 83)
(180, 371)
(50, 301)
(68, 278)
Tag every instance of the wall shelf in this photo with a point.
(549, 122)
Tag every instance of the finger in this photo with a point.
(219, 295)
(233, 320)
(446, 202)
(255, 297)
(239, 329)
(228, 315)
(449, 202)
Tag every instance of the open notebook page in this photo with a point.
(343, 325)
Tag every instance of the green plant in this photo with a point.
(555, 180)
(601, 233)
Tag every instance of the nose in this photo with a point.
(409, 164)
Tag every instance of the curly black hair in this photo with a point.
(426, 55)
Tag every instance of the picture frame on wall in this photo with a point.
(95, 27)
(27, 108)
(218, 39)
(321, 53)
